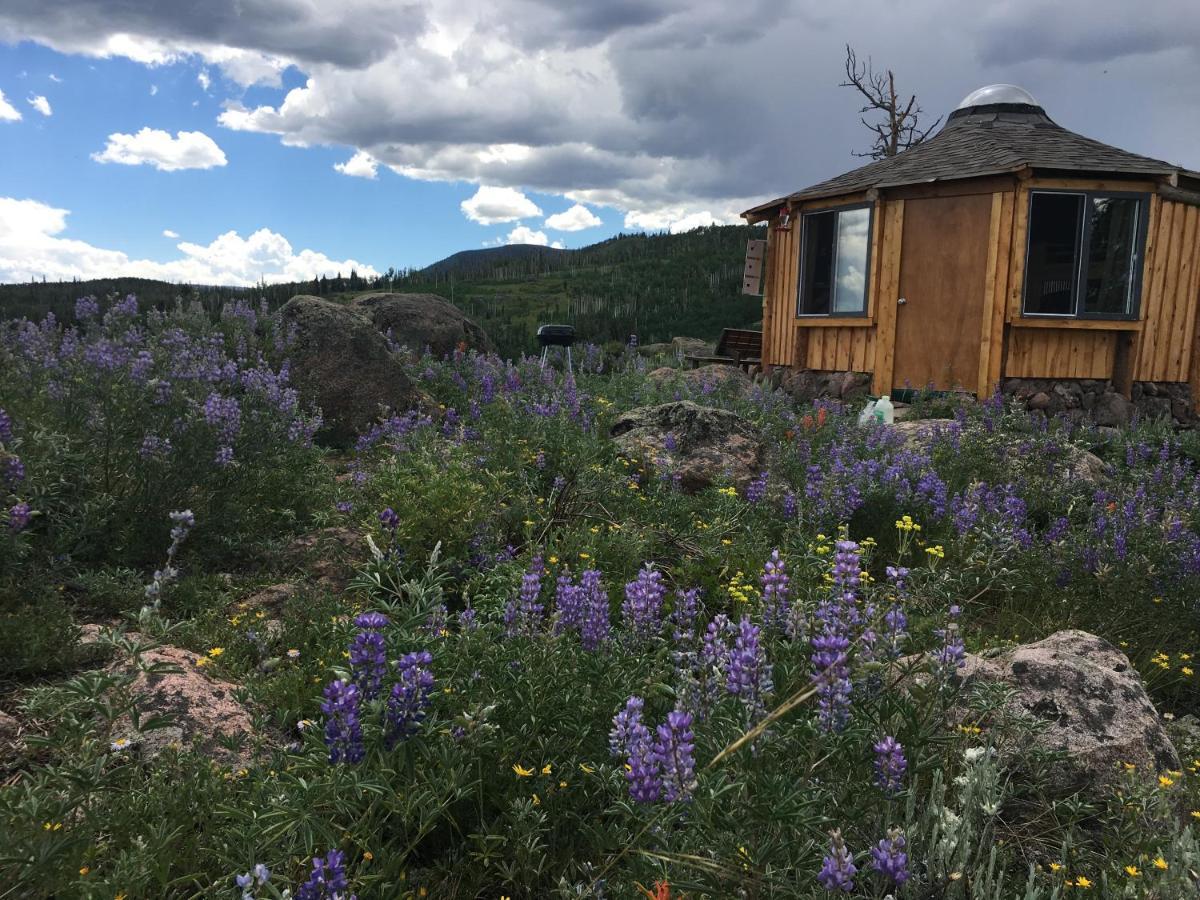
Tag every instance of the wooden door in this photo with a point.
(943, 268)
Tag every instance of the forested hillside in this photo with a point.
(655, 286)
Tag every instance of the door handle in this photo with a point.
(901, 301)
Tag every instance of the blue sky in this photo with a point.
(483, 122)
(387, 221)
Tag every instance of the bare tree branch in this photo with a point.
(900, 128)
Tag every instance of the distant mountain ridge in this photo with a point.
(471, 262)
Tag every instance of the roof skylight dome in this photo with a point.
(998, 93)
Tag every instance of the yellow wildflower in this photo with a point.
(585, 556)
(1165, 781)
(546, 769)
(1160, 863)
(537, 801)
(1054, 867)
(562, 784)
(1133, 871)
(1186, 670)
(553, 560)
(1083, 882)
(216, 651)
(84, 870)
(521, 771)
(368, 855)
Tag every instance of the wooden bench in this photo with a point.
(737, 347)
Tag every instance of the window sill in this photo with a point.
(834, 321)
(1080, 324)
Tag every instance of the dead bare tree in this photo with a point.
(900, 126)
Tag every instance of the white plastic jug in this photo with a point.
(867, 414)
(884, 411)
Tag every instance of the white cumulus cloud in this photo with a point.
(167, 232)
(203, 80)
(360, 165)
(55, 78)
(493, 205)
(41, 104)
(151, 146)
(31, 247)
(577, 218)
(8, 112)
(522, 234)
(674, 219)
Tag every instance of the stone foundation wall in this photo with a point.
(1094, 400)
(836, 385)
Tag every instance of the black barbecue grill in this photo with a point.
(556, 336)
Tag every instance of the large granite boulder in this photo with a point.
(705, 379)
(1087, 702)
(417, 321)
(710, 444)
(201, 713)
(343, 364)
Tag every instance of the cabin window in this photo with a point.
(835, 245)
(1084, 253)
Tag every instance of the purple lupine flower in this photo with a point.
(895, 621)
(625, 724)
(789, 506)
(890, 765)
(756, 490)
(224, 457)
(831, 674)
(389, 520)
(524, 614)
(675, 749)
(837, 868)
(776, 593)
(748, 674)
(568, 604)
(952, 654)
(669, 442)
(467, 619)
(436, 621)
(86, 308)
(539, 461)
(683, 616)
(642, 609)
(889, 857)
(19, 515)
(409, 701)
(371, 621)
(328, 879)
(594, 629)
(343, 729)
(14, 471)
(344, 506)
(714, 653)
(6, 433)
(126, 307)
(224, 414)
(368, 663)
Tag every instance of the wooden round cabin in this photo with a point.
(1005, 252)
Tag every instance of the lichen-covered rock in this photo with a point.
(690, 346)
(418, 321)
(710, 444)
(706, 379)
(343, 364)
(1088, 702)
(205, 713)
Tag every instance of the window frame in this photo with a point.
(1082, 238)
(803, 267)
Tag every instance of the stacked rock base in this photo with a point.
(1095, 400)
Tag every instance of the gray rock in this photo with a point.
(1088, 703)
(418, 321)
(706, 379)
(1112, 409)
(343, 364)
(690, 346)
(710, 444)
(1154, 408)
(1040, 400)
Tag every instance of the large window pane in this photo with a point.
(850, 291)
(1110, 261)
(817, 254)
(1054, 226)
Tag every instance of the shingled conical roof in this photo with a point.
(988, 138)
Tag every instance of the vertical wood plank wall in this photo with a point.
(1170, 287)
(1166, 344)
